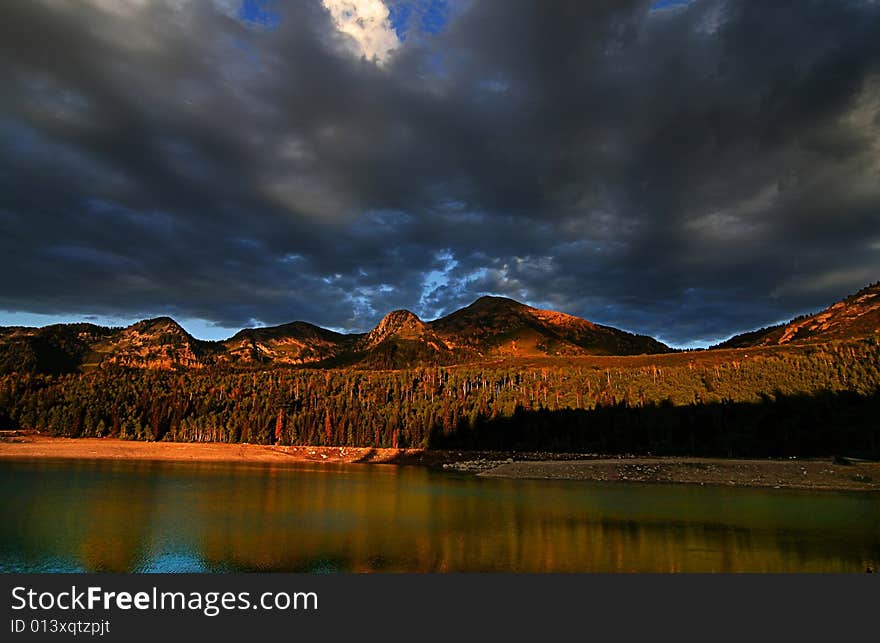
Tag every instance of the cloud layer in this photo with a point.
(686, 170)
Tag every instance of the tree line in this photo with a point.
(821, 397)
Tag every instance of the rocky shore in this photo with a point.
(830, 474)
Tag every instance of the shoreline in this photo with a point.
(807, 474)
(815, 474)
(28, 445)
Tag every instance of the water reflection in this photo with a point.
(150, 516)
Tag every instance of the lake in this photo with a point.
(121, 516)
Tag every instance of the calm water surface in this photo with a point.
(169, 517)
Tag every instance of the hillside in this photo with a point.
(60, 348)
(853, 317)
(781, 401)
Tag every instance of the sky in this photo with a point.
(686, 170)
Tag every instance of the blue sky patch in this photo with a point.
(429, 16)
(668, 4)
(259, 12)
(435, 16)
(399, 15)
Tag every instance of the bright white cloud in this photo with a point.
(368, 23)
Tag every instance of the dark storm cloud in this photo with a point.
(685, 172)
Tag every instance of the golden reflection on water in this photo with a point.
(151, 516)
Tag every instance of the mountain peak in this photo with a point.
(496, 300)
(158, 325)
(296, 329)
(496, 305)
(502, 326)
(292, 343)
(402, 323)
(400, 316)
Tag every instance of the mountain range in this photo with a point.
(489, 328)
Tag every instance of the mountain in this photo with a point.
(153, 343)
(60, 348)
(402, 340)
(491, 327)
(65, 348)
(855, 316)
(498, 326)
(294, 343)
